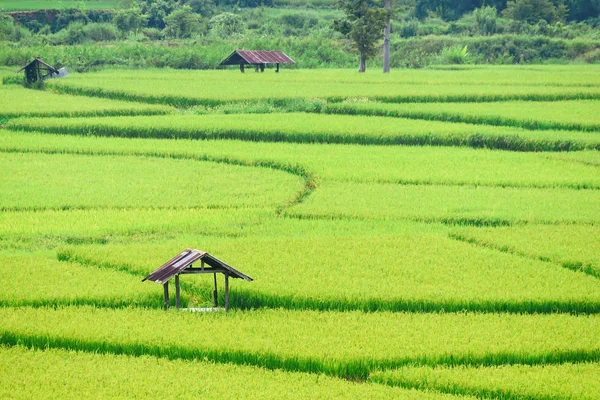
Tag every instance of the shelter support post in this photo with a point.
(226, 292)
(215, 294)
(255, 67)
(277, 68)
(262, 67)
(242, 68)
(177, 292)
(166, 288)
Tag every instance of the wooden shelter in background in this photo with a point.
(258, 58)
(183, 264)
(38, 70)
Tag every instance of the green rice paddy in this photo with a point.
(436, 238)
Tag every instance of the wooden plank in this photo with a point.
(204, 271)
(177, 292)
(215, 293)
(166, 288)
(226, 292)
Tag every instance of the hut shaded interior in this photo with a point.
(258, 58)
(183, 264)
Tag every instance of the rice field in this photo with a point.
(428, 234)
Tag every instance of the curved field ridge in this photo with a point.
(55, 181)
(18, 102)
(120, 376)
(580, 115)
(309, 341)
(343, 163)
(534, 382)
(452, 276)
(313, 128)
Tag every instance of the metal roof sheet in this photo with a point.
(257, 57)
(50, 67)
(184, 260)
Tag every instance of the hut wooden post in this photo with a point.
(215, 293)
(277, 68)
(166, 289)
(262, 67)
(177, 292)
(255, 67)
(226, 292)
(242, 68)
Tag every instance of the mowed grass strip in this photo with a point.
(349, 345)
(38, 279)
(347, 163)
(313, 128)
(461, 204)
(65, 181)
(578, 115)
(573, 246)
(93, 375)
(536, 382)
(411, 271)
(20, 102)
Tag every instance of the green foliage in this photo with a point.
(130, 20)
(485, 20)
(363, 25)
(182, 23)
(227, 24)
(100, 32)
(456, 55)
(531, 11)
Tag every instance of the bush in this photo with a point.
(455, 55)
(227, 24)
(485, 20)
(592, 57)
(182, 23)
(101, 32)
(409, 28)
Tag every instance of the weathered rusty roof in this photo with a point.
(185, 259)
(257, 57)
(50, 67)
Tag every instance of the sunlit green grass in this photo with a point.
(565, 381)
(476, 205)
(349, 344)
(19, 102)
(64, 181)
(93, 375)
(575, 247)
(346, 163)
(573, 114)
(314, 128)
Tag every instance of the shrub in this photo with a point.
(227, 24)
(101, 32)
(409, 28)
(485, 20)
(455, 55)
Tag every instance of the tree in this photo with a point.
(386, 37)
(485, 20)
(226, 24)
(531, 11)
(182, 23)
(363, 24)
(130, 20)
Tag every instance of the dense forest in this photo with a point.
(198, 33)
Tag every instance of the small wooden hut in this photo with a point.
(258, 58)
(182, 264)
(38, 70)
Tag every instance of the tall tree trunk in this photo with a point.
(386, 39)
(363, 64)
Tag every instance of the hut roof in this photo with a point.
(185, 260)
(39, 60)
(257, 57)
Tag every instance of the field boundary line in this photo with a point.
(352, 369)
(310, 184)
(575, 266)
(493, 120)
(459, 390)
(252, 299)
